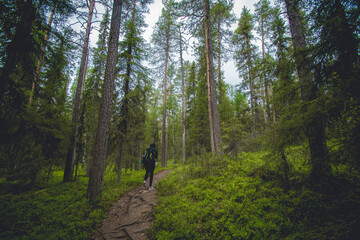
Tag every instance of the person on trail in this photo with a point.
(149, 161)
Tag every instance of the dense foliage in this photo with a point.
(58, 210)
(244, 198)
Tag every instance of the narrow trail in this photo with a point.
(131, 216)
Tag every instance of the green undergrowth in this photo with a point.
(222, 198)
(60, 210)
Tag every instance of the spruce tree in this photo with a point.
(245, 57)
(133, 87)
(314, 127)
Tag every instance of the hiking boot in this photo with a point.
(151, 188)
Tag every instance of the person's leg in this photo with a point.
(147, 173)
(151, 170)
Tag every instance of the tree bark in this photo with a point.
(168, 123)
(183, 105)
(315, 129)
(163, 134)
(264, 92)
(71, 154)
(252, 105)
(98, 164)
(214, 120)
(219, 61)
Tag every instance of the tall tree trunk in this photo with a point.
(183, 104)
(125, 106)
(39, 63)
(214, 120)
(219, 61)
(173, 138)
(163, 134)
(252, 105)
(98, 163)
(315, 129)
(263, 75)
(211, 122)
(207, 34)
(167, 125)
(155, 133)
(71, 153)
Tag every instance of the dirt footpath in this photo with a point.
(131, 216)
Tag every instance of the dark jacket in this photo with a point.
(154, 155)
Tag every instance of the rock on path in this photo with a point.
(131, 216)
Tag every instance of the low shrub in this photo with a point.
(244, 199)
(60, 210)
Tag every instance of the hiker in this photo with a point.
(149, 161)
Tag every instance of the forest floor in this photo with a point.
(131, 216)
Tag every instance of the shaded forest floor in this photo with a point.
(245, 198)
(207, 198)
(131, 216)
(57, 210)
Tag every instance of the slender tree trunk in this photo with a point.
(252, 105)
(264, 92)
(79, 145)
(163, 135)
(273, 104)
(183, 104)
(155, 133)
(212, 141)
(173, 139)
(315, 129)
(219, 62)
(98, 164)
(39, 63)
(71, 154)
(214, 120)
(119, 162)
(168, 123)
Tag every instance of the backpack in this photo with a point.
(149, 155)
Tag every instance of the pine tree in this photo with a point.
(222, 16)
(182, 97)
(97, 169)
(162, 38)
(92, 89)
(74, 135)
(215, 129)
(263, 14)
